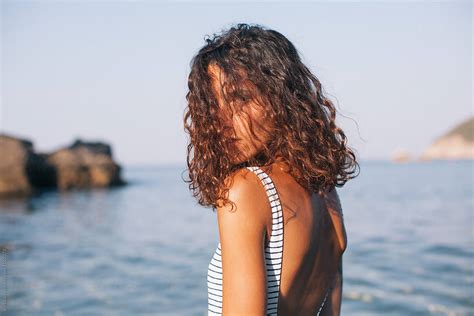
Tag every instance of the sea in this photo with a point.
(144, 249)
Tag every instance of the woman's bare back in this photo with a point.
(314, 241)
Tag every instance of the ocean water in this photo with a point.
(144, 249)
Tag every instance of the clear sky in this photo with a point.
(400, 73)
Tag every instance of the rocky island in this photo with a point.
(458, 143)
(80, 165)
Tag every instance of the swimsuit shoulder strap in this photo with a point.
(276, 237)
(274, 250)
(269, 186)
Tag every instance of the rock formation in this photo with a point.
(401, 155)
(80, 165)
(458, 143)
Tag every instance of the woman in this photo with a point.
(265, 152)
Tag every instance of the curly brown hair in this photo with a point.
(263, 68)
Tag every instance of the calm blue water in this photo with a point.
(144, 249)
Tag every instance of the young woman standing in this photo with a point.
(265, 152)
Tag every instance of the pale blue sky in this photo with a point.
(400, 73)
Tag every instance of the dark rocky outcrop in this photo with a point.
(14, 153)
(80, 165)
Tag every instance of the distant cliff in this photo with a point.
(458, 143)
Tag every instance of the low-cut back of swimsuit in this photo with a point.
(273, 257)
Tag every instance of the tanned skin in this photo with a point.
(245, 231)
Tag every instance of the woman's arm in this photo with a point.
(335, 211)
(242, 233)
(332, 307)
(336, 296)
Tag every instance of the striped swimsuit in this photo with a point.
(273, 257)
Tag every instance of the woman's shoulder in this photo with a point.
(247, 198)
(242, 180)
